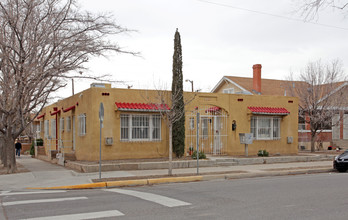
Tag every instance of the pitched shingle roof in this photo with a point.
(268, 86)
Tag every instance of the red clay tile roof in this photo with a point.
(213, 109)
(268, 110)
(125, 106)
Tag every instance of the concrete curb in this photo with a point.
(142, 182)
(81, 186)
(88, 168)
(121, 183)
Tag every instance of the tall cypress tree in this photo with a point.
(178, 99)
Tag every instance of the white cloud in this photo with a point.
(216, 40)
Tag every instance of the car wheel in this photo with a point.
(342, 170)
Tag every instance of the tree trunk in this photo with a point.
(11, 158)
(3, 152)
(170, 149)
(313, 138)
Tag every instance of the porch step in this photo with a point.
(70, 156)
(221, 160)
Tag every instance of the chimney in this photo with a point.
(257, 78)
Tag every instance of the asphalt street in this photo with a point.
(313, 196)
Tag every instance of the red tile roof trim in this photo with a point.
(150, 107)
(268, 110)
(41, 116)
(213, 109)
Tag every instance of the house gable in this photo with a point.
(226, 84)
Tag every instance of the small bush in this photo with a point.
(262, 153)
(32, 149)
(39, 142)
(201, 155)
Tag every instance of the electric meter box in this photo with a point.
(246, 138)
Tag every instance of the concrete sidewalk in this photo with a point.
(46, 175)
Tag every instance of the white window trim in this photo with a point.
(82, 118)
(46, 129)
(228, 91)
(38, 127)
(61, 124)
(68, 123)
(150, 128)
(192, 123)
(256, 137)
(53, 128)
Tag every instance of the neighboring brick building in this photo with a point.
(134, 127)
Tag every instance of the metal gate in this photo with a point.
(212, 130)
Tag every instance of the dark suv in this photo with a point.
(340, 162)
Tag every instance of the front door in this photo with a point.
(217, 135)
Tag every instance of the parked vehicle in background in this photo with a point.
(340, 162)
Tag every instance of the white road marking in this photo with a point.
(9, 193)
(90, 215)
(41, 201)
(162, 200)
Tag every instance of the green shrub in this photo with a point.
(39, 142)
(262, 153)
(201, 155)
(32, 149)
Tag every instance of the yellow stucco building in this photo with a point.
(135, 127)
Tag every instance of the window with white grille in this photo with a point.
(46, 128)
(205, 128)
(68, 123)
(53, 128)
(156, 127)
(192, 123)
(38, 128)
(82, 124)
(138, 127)
(336, 126)
(61, 124)
(229, 91)
(265, 128)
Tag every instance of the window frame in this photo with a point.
(192, 123)
(47, 128)
(53, 129)
(82, 120)
(132, 124)
(265, 127)
(61, 124)
(228, 91)
(68, 123)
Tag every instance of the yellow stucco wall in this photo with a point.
(87, 146)
(238, 111)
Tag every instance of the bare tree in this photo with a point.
(319, 88)
(164, 102)
(309, 9)
(43, 42)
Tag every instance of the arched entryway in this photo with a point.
(212, 130)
